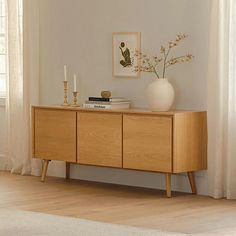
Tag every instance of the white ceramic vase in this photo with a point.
(160, 94)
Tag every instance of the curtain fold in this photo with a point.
(22, 82)
(222, 100)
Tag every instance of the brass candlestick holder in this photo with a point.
(65, 93)
(75, 94)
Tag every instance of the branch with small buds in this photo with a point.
(152, 64)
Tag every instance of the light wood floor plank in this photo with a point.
(116, 204)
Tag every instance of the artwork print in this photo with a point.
(124, 47)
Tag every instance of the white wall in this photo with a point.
(79, 33)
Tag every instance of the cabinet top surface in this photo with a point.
(125, 111)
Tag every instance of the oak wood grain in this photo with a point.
(147, 143)
(191, 179)
(190, 142)
(124, 111)
(168, 142)
(55, 135)
(100, 139)
(44, 170)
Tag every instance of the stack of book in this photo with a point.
(107, 103)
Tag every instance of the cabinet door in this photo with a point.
(147, 143)
(55, 135)
(99, 139)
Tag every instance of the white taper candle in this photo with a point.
(65, 73)
(75, 83)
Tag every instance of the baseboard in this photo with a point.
(128, 177)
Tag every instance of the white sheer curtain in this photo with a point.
(222, 100)
(22, 81)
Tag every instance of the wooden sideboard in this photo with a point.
(168, 142)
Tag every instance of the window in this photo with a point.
(2, 49)
(3, 42)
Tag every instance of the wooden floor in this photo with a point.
(116, 204)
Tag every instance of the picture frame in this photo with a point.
(124, 47)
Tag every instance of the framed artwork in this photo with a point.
(124, 47)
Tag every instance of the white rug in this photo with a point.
(24, 223)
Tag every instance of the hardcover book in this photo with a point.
(124, 105)
(115, 99)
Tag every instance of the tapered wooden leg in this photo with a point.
(168, 185)
(192, 182)
(67, 170)
(44, 171)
